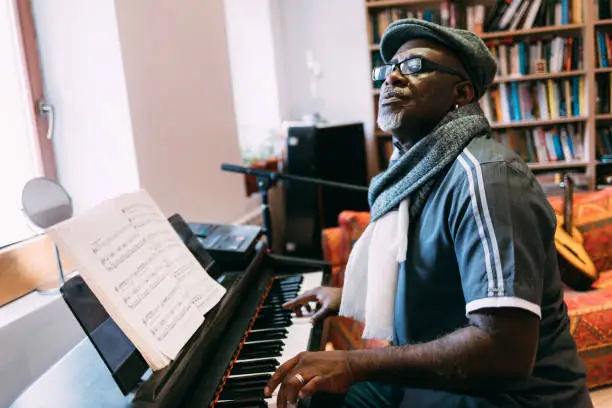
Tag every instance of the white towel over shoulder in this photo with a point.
(370, 279)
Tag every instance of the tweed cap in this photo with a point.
(467, 46)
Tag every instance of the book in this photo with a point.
(148, 281)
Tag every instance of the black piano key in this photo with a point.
(246, 392)
(266, 365)
(267, 335)
(259, 378)
(269, 307)
(246, 384)
(285, 288)
(260, 385)
(259, 354)
(272, 325)
(255, 391)
(244, 403)
(292, 278)
(287, 293)
(274, 313)
(254, 369)
(263, 346)
(263, 320)
(247, 348)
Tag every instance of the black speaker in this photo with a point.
(335, 153)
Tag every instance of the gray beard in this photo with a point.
(389, 121)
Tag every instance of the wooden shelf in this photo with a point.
(531, 31)
(535, 77)
(557, 165)
(534, 123)
(390, 3)
(589, 72)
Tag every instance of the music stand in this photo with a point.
(125, 363)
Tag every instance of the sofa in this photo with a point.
(590, 311)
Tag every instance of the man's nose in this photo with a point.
(395, 78)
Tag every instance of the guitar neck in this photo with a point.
(568, 201)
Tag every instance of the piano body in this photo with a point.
(226, 362)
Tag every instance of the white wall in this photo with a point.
(178, 81)
(143, 98)
(84, 79)
(254, 72)
(336, 33)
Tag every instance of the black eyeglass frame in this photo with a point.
(413, 65)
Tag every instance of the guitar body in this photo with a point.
(577, 269)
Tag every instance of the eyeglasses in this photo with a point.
(410, 66)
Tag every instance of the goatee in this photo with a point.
(389, 121)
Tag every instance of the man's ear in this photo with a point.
(464, 93)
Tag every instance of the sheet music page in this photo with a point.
(126, 249)
(148, 219)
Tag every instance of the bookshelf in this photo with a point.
(579, 79)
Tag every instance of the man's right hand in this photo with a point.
(327, 301)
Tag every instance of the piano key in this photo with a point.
(241, 393)
(245, 403)
(276, 316)
(263, 345)
(271, 325)
(246, 385)
(248, 379)
(273, 322)
(266, 335)
(254, 364)
(260, 354)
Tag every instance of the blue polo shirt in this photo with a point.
(485, 239)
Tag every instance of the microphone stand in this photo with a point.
(267, 179)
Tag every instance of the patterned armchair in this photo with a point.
(590, 311)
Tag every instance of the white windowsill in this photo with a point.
(23, 306)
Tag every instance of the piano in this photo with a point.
(226, 363)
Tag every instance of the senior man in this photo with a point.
(458, 266)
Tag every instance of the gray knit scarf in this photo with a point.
(414, 172)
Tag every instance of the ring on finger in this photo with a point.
(300, 379)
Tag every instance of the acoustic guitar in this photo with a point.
(577, 269)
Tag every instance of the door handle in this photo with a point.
(46, 109)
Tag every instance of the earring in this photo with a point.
(456, 106)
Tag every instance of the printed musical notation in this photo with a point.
(143, 274)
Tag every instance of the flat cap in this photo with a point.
(469, 48)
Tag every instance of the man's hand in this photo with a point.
(328, 302)
(310, 372)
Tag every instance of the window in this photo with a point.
(25, 150)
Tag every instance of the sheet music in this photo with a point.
(141, 271)
(144, 215)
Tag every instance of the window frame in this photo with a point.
(35, 86)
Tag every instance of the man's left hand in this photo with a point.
(310, 372)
